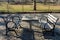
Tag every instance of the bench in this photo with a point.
(49, 24)
(12, 25)
(52, 19)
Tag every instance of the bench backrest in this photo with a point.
(52, 19)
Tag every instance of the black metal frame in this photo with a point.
(52, 30)
(10, 29)
(18, 21)
(14, 27)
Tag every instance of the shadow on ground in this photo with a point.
(27, 34)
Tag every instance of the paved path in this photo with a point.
(25, 33)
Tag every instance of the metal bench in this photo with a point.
(12, 24)
(49, 24)
(52, 19)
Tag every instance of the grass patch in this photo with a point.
(28, 8)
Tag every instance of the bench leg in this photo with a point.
(53, 33)
(15, 33)
(6, 31)
(11, 30)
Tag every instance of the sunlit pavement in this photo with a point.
(26, 34)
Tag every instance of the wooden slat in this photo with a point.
(51, 18)
(48, 26)
(26, 18)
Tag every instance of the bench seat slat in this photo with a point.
(48, 26)
(52, 16)
(51, 19)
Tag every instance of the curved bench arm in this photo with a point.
(39, 19)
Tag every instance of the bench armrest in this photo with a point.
(48, 26)
(45, 17)
(57, 20)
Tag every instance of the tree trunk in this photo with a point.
(34, 4)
